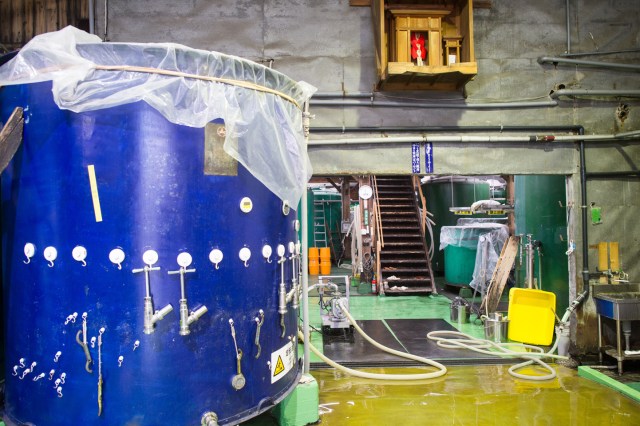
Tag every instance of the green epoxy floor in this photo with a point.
(466, 395)
(472, 395)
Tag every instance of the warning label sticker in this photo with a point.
(282, 361)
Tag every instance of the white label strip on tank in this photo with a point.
(282, 361)
(94, 192)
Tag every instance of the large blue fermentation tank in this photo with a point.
(86, 189)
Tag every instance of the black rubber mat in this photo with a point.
(410, 336)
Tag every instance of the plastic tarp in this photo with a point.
(486, 238)
(264, 131)
(466, 236)
(488, 251)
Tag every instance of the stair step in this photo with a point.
(404, 260)
(391, 229)
(398, 206)
(402, 244)
(401, 252)
(415, 272)
(394, 237)
(410, 289)
(408, 197)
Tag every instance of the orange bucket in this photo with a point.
(325, 268)
(314, 264)
(325, 254)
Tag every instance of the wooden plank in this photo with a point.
(51, 15)
(63, 14)
(500, 275)
(29, 20)
(359, 3)
(39, 17)
(5, 19)
(11, 137)
(17, 28)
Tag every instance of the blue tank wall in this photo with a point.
(153, 195)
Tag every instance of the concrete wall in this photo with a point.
(330, 45)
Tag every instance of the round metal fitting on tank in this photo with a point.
(144, 191)
(209, 419)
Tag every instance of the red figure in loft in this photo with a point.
(418, 50)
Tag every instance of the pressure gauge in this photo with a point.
(365, 192)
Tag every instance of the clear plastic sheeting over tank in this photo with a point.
(263, 124)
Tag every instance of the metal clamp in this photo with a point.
(259, 321)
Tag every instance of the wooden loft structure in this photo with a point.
(444, 28)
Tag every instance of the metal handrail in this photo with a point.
(376, 211)
(423, 200)
(379, 235)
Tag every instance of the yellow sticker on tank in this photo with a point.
(282, 361)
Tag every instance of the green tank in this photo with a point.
(540, 211)
(443, 193)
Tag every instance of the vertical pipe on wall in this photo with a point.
(585, 239)
(568, 10)
(92, 29)
(106, 20)
(305, 243)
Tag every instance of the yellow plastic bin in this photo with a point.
(531, 316)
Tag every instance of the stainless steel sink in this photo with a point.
(620, 302)
(619, 306)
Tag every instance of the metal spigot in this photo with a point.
(186, 318)
(151, 317)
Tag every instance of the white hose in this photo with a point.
(462, 340)
(442, 370)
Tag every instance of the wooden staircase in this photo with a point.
(405, 252)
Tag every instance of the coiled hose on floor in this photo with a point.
(532, 354)
(441, 369)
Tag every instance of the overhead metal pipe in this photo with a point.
(591, 92)
(476, 139)
(613, 174)
(433, 105)
(415, 129)
(343, 95)
(599, 53)
(609, 65)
